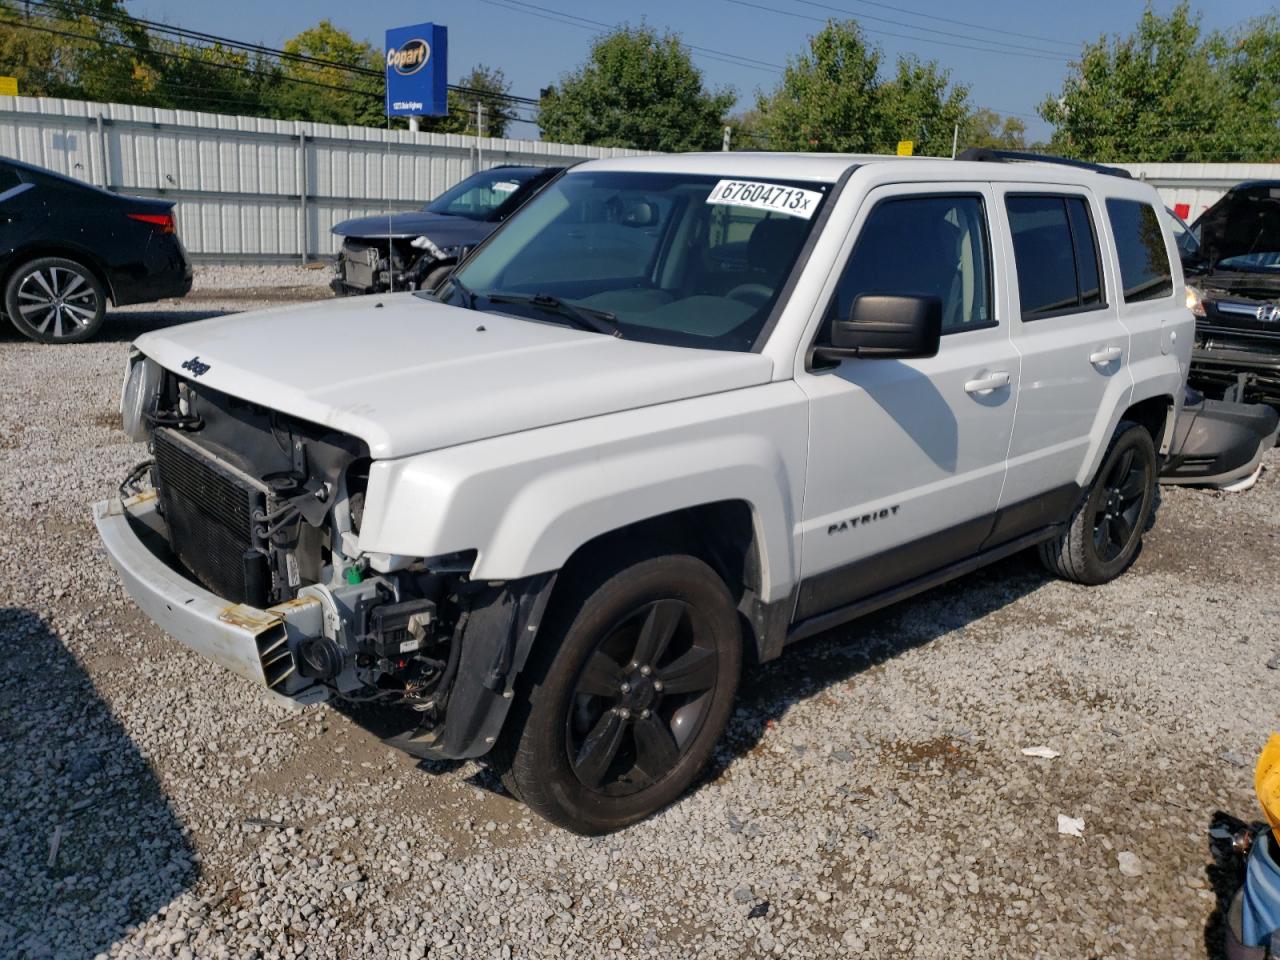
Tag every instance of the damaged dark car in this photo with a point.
(417, 250)
(1231, 258)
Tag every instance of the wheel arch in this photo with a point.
(80, 255)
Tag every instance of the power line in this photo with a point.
(586, 23)
(958, 23)
(900, 36)
(181, 32)
(942, 33)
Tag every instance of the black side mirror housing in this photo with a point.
(883, 326)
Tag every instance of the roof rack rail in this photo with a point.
(986, 154)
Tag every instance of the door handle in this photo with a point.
(985, 384)
(1105, 355)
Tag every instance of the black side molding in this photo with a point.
(825, 621)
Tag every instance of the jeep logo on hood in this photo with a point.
(409, 58)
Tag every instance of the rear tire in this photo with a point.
(1105, 531)
(55, 300)
(628, 691)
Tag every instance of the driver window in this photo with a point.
(924, 246)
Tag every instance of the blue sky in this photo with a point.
(533, 49)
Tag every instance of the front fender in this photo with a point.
(525, 502)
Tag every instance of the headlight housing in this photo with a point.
(424, 243)
(1195, 301)
(138, 398)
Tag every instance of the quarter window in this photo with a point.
(1055, 249)
(1144, 259)
(923, 246)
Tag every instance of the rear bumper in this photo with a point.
(252, 643)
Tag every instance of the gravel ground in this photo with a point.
(871, 798)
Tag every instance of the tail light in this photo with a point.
(162, 220)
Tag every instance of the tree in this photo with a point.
(330, 94)
(1166, 92)
(986, 128)
(834, 98)
(489, 85)
(637, 89)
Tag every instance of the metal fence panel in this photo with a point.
(250, 187)
(1191, 188)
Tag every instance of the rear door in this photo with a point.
(1075, 351)
(907, 457)
(15, 208)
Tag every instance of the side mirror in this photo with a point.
(886, 327)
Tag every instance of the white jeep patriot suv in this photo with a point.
(677, 411)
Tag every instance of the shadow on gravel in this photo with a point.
(89, 844)
(1225, 874)
(769, 690)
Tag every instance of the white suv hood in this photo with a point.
(407, 375)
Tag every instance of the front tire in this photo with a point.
(55, 300)
(626, 696)
(1105, 531)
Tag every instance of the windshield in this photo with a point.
(479, 196)
(665, 258)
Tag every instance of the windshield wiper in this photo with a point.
(599, 321)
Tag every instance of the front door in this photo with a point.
(907, 457)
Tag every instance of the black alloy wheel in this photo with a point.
(640, 700)
(1104, 531)
(629, 686)
(1115, 517)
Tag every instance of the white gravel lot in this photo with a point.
(871, 798)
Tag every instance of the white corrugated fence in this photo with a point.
(249, 188)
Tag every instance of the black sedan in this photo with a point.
(417, 250)
(66, 248)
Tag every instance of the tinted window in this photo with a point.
(8, 178)
(1056, 254)
(1086, 244)
(1144, 261)
(930, 246)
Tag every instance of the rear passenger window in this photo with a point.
(1055, 250)
(923, 246)
(1144, 259)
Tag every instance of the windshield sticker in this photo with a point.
(792, 201)
(505, 186)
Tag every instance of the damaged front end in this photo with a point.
(390, 264)
(245, 547)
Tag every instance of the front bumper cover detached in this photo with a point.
(258, 644)
(1217, 443)
(248, 641)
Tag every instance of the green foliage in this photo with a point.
(1167, 92)
(637, 89)
(834, 98)
(330, 94)
(986, 128)
(461, 118)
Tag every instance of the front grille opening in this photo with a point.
(209, 510)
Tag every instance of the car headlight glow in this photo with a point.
(1195, 301)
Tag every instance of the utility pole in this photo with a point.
(479, 134)
(955, 140)
(724, 142)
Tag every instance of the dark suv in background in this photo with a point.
(1231, 258)
(67, 247)
(416, 250)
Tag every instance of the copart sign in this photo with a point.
(417, 70)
